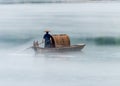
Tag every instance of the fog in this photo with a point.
(48, 1)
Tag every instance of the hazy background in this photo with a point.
(49, 1)
(95, 24)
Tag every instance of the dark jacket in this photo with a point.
(47, 38)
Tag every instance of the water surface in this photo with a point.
(95, 24)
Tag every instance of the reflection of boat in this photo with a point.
(59, 43)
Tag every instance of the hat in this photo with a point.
(46, 31)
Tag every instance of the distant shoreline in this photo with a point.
(44, 2)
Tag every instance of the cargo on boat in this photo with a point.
(59, 43)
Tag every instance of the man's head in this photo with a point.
(47, 31)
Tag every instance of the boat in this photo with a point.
(59, 43)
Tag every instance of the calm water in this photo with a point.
(95, 24)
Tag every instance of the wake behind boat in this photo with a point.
(58, 43)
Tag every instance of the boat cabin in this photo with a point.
(60, 40)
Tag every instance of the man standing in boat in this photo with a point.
(47, 39)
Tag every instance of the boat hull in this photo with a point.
(72, 48)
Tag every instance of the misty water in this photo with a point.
(95, 24)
